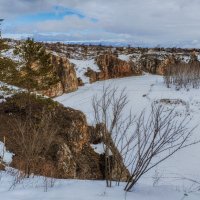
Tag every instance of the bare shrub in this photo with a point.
(48, 178)
(183, 75)
(32, 138)
(194, 187)
(108, 111)
(159, 135)
(17, 177)
(48, 182)
(156, 178)
(139, 144)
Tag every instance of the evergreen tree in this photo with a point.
(8, 71)
(37, 70)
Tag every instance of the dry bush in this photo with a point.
(17, 177)
(108, 112)
(32, 139)
(142, 143)
(183, 75)
(159, 135)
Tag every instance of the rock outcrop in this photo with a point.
(70, 154)
(118, 169)
(154, 63)
(67, 79)
(112, 67)
(113, 62)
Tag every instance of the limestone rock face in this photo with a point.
(54, 90)
(118, 169)
(70, 155)
(112, 67)
(68, 81)
(155, 64)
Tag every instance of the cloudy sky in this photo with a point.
(137, 22)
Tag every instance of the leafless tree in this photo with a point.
(48, 182)
(140, 144)
(17, 177)
(183, 75)
(159, 135)
(32, 138)
(108, 111)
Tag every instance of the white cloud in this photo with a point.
(165, 22)
(69, 23)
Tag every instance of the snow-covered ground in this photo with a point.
(10, 54)
(81, 67)
(172, 185)
(8, 90)
(142, 91)
(124, 57)
(35, 189)
(5, 155)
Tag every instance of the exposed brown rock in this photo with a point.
(95, 134)
(70, 155)
(68, 81)
(53, 91)
(154, 63)
(119, 171)
(94, 76)
(80, 82)
(2, 167)
(113, 67)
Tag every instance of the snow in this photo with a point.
(136, 87)
(54, 53)
(34, 189)
(98, 148)
(198, 57)
(10, 54)
(4, 154)
(130, 57)
(185, 58)
(7, 90)
(124, 57)
(142, 91)
(152, 51)
(81, 67)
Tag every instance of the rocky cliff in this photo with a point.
(154, 63)
(67, 79)
(76, 65)
(112, 67)
(70, 154)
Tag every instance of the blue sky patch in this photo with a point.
(57, 13)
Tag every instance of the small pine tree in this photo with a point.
(37, 70)
(3, 45)
(8, 71)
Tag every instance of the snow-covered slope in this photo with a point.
(35, 189)
(10, 54)
(81, 67)
(142, 91)
(5, 155)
